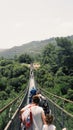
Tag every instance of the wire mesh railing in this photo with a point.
(14, 123)
(7, 112)
(63, 118)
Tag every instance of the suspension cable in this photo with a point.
(5, 107)
(69, 114)
(60, 108)
(58, 96)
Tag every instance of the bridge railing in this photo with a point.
(63, 118)
(8, 112)
(14, 123)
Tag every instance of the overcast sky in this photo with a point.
(22, 21)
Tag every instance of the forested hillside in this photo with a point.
(14, 77)
(32, 48)
(56, 69)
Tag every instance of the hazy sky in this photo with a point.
(22, 21)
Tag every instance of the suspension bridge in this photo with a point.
(63, 119)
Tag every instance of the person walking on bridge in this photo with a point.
(31, 94)
(43, 102)
(38, 115)
(48, 125)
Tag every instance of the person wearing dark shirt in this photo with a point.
(31, 94)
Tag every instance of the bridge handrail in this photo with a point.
(57, 96)
(60, 108)
(9, 104)
(7, 126)
(58, 105)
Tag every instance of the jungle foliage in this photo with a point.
(14, 75)
(56, 70)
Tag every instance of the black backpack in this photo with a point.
(45, 105)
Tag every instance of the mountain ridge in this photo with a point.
(32, 48)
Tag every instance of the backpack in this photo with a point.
(27, 117)
(45, 105)
(32, 93)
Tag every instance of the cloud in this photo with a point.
(19, 25)
(67, 24)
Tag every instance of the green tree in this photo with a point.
(49, 55)
(3, 95)
(16, 84)
(70, 94)
(5, 62)
(25, 58)
(3, 83)
(65, 54)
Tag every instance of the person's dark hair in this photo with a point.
(38, 92)
(36, 99)
(49, 118)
